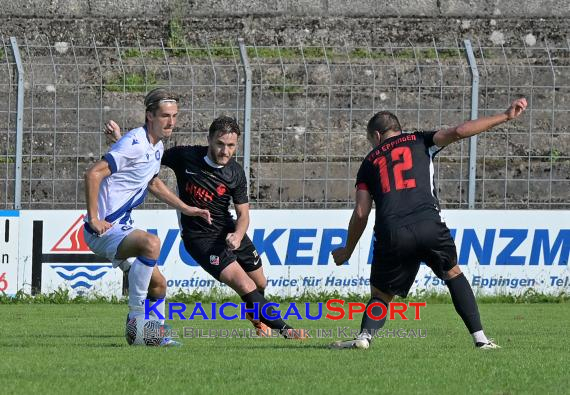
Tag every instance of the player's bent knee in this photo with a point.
(262, 284)
(152, 246)
(154, 243)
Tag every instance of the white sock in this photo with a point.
(139, 280)
(479, 337)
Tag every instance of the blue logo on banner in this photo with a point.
(304, 247)
(81, 275)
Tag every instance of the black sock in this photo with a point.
(257, 297)
(464, 302)
(370, 325)
(261, 291)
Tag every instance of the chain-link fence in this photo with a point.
(310, 105)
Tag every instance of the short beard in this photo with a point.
(213, 156)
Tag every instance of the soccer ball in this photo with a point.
(141, 332)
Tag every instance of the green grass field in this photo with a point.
(80, 348)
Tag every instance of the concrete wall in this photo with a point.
(316, 8)
(290, 21)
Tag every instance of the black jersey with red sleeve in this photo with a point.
(204, 186)
(399, 174)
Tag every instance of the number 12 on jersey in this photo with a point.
(401, 160)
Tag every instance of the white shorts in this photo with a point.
(107, 244)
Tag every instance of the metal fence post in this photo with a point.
(247, 112)
(19, 126)
(474, 111)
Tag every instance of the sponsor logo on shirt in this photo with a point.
(199, 193)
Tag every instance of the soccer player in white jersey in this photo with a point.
(118, 183)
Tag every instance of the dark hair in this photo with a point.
(156, 97)
(382, 122)
(224, 125)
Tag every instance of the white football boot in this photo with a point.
(360, 343)
(490, 345)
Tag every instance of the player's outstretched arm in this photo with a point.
(93, 177)
(165, 195)
(356, 227)
(444, 137)
(233, 240)
(112, 130)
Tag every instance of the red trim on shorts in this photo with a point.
(361, 186)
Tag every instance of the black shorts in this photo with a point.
(398, 253)
(213, 254)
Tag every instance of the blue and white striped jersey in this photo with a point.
(134, 161)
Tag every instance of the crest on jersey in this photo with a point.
(221, 189)
(214, 260)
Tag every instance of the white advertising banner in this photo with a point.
(52, 241)
(500, 252)
(9, 221)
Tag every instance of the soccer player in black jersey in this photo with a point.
(209, 178)
(398, 176)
